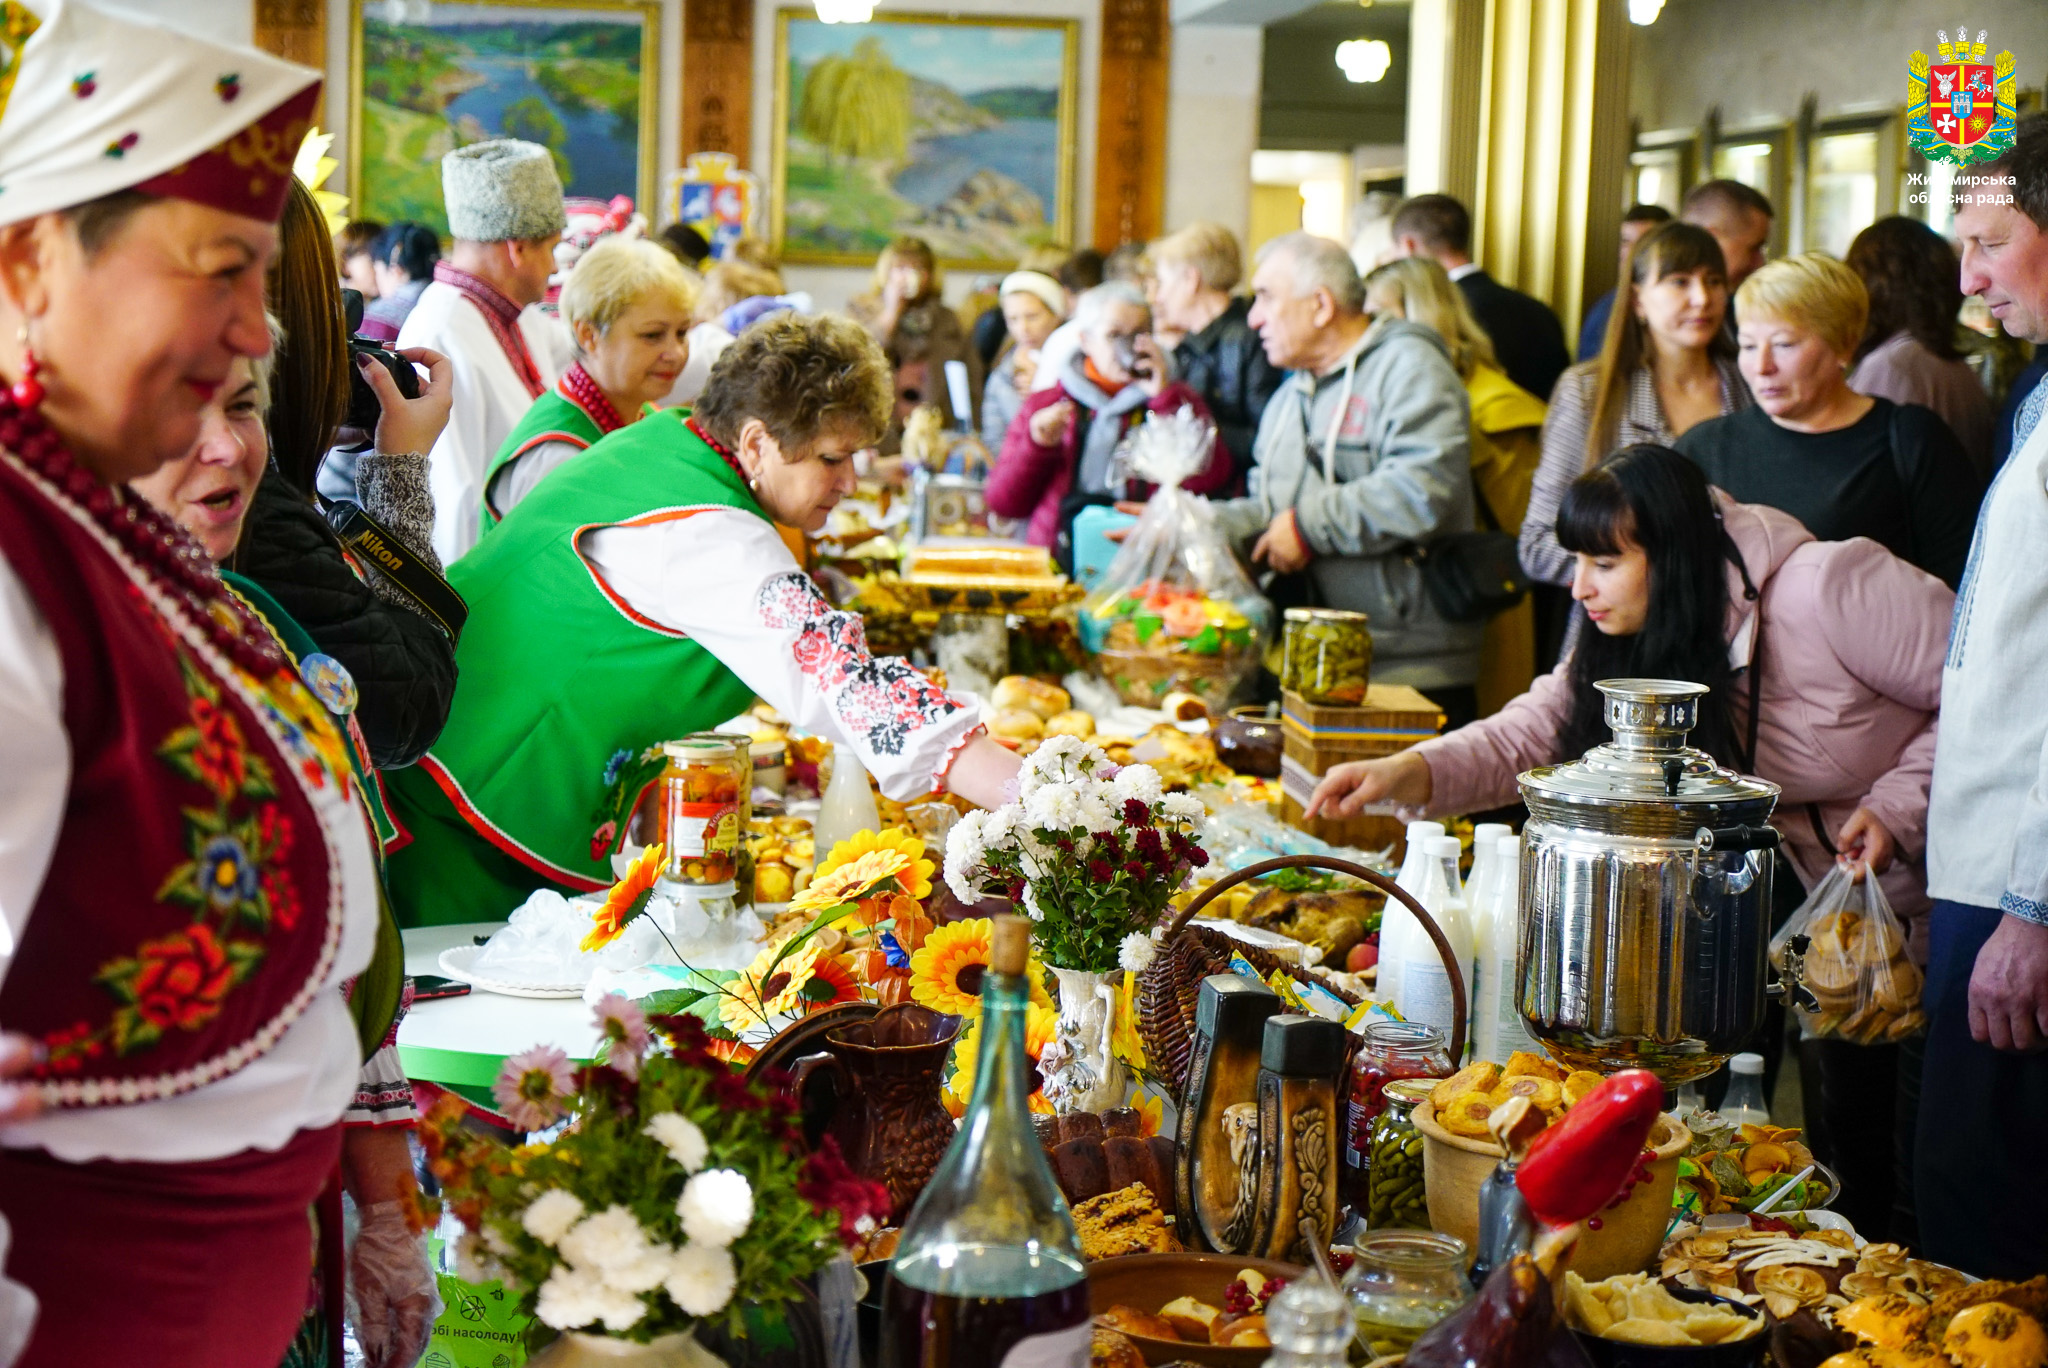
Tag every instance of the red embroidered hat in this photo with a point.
(92, 103)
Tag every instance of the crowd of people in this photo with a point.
(332, 636)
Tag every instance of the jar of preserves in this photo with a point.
(700, 810)
(743, 858)
(1326, 656)
(1394, 1196)
(1401, 1283)
(1392, 1050)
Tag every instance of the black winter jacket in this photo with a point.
(1226, 364)
(404, 666)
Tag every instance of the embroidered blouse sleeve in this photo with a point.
(723, 578)
(35, 755)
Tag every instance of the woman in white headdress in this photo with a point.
(185, 880)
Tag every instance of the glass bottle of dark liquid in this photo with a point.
(988, 1271)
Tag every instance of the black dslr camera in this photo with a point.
(363, 408)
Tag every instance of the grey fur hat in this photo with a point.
(500, 191)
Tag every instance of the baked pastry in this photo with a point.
(1070, 723)
(878, 1244)
(1030, 695)
(1016, 724)
(1482, 1077)
(1889, 1320)
(1081, 1168)
(1127, 1221)
(1191, 1319)
(1081, 1126)
(1246, 1332)
(1994, 1335)
(1130, 1320)
(1111, 1349)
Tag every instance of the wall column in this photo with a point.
(1520, 109)
(296, 30)
(718, 77)
(1130, 135)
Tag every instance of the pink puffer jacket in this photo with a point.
(1853, 639)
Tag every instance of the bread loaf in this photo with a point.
(1031, 695)
(1081, 1168)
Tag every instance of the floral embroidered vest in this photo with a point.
(193, 904)
(557, 675)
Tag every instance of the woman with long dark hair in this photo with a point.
(1824, 661)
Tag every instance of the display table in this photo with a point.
(461, 1042)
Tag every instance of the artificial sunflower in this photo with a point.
(831, 971)
(626, 900)
(916, 878)
(1040, 1025)
(850, 882)
(946, 971)
(1151, 1110)
(761, 993)
(1125, 1042)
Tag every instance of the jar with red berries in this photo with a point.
(1392, 1050)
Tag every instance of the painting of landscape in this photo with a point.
(952, 130)
(569, 77)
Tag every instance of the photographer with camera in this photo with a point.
(366, 609)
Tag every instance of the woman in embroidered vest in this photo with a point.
(629, 305)
(185, 876)
(640, 594)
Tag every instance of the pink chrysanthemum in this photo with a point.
(531, 1087)
(623, 1028)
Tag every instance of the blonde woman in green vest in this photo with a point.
(628, 305)
(641, 593)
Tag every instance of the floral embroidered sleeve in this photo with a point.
(725, 579)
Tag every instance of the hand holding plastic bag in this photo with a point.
(1856, 964)
(1175, 610)
(392, 1297)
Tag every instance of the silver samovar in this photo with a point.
(1645, 895)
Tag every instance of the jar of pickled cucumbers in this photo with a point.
(1326, 656)
(1394, 1195)
(700, 808)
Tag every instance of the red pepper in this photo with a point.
(1575, 1167)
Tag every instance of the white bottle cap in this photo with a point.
(1422, 831)
(1510, 847)
(1436, 847)
(1746, 1063)
(1487, 831)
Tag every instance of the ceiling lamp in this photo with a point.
(845, 11)
(1364, 60)
(1644, 12)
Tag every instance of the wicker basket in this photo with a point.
(1172, 983)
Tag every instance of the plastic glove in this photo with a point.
(392, 1296)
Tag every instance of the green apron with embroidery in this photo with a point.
(553, 416)
(562, 692)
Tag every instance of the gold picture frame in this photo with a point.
(998, 160)
(571, 95)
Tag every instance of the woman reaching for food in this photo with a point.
(1823, 658)
(651, 570)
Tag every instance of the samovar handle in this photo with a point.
(1735, 840)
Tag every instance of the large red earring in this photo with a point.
(27, 392)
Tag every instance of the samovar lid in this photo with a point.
(1648, 761)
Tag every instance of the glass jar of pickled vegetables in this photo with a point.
(743, 858)
(700, 795)
(1394, 1196)
(1326, 656)
(1401, 1283)
(1392, 1050)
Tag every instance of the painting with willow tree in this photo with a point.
(960, 131)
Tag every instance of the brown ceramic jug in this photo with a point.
(875, 1089)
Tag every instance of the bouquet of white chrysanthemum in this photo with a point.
(1092, 853)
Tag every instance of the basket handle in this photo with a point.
(1356, 871)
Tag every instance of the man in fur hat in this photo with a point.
(505, 213)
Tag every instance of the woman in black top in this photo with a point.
(1845, 464)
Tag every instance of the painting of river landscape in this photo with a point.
(576, 78)
(955, 130)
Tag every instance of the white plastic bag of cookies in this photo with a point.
(1855, 965)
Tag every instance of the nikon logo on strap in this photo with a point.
(364, 536)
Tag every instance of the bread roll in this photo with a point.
(1081, 1169)
(1016, 724)
(1030, 695)
(1131, 1320)
(1070, 723)
(1191, 1318)
(1109, 1349)
(1129, 1160)
(1246, 1332)
(1184, 707)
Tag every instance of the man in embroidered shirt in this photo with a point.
(1984, 1096)
(505, 214)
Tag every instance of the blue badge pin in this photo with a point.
(330, 682)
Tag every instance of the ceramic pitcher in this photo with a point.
(876, 1090)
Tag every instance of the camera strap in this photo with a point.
(374, 543)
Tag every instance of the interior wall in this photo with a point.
(1757, 59)
(225, 21)
(832, 286)
(1212, 125)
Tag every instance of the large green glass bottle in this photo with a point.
(988, 1271)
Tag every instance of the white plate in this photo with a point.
(457, 961)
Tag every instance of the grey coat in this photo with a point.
(1393, 472)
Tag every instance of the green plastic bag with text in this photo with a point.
(481, 1328)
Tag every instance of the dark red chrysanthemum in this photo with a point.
(1136, 813)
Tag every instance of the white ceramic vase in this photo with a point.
(578, 1350)
(1080, 1072)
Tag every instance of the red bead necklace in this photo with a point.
(176, 563)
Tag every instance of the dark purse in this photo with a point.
(1473, 576)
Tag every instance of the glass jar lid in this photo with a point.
(698, 749)
(1402, 1038)
(1409, 1091)
(1648, 761)
(1339, 615)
